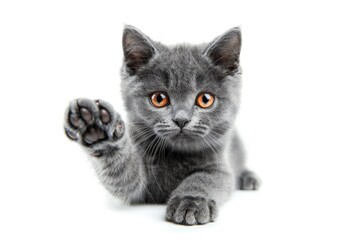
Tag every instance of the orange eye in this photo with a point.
(159, 99)
(205, 100)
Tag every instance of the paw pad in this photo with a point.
(94, 134)
(86, 115)
(72, 135)
(91, 121)
(104, 116)
(74, 120)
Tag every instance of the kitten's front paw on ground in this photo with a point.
(190, 210)
(90, 122)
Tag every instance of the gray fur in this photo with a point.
(150, 161)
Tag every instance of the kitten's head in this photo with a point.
(186, 96)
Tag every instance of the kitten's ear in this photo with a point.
(138, 48)
(224, 51)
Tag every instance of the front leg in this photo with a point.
(198, 197)
(100, 131)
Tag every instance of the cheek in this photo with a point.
(222, 111)
(204, 117)
(227, 111)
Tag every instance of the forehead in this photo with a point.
(180, 68)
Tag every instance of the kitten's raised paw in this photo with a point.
(90, 122)
(248, 181)
(190, 210)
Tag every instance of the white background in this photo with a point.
(300, 116)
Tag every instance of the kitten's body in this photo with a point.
(180, 153)
(166, 173)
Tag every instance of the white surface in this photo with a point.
(300, 116)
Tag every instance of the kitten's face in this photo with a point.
(181, 96)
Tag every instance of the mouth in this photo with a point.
(182, 134)
(185, 134)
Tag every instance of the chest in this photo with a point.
(164, 175)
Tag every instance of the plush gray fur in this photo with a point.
(151, 159)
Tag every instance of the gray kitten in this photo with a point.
(180, 145)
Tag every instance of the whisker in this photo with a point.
(200, 127)
(166, 130)
(162, 126)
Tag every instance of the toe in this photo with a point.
(203, 214)
(71, 134)
(190, 217)
(119, 130)
(86, 115)
(74, 120)
(179, 217)
(104, 115)
(170, 210)
(213, 210)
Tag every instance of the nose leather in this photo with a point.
(181, 122)
(181, 118)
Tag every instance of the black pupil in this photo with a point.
(206, 98)
(160, 98)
